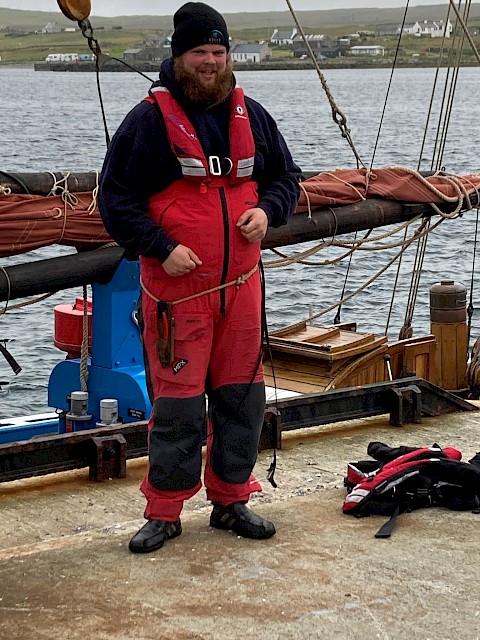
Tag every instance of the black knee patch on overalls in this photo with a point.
(175, 443)
(237, 412)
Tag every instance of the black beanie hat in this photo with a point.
(195, 24)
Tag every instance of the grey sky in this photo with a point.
(168, 7)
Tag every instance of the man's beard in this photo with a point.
(196, 91)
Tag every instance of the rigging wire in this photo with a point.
(465, 30)
(100, 59)
(375, 151)
(453, 86)
(437, 159)
(339, 118)
(470, 307)
(337, 114)
(406, 328)
(389, 84)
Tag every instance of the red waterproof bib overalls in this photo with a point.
(217, 336)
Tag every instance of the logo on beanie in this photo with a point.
(216, 37)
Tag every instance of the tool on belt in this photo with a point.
(166, 332)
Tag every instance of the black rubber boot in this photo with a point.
(153, 535)
(241, 520)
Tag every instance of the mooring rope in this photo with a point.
(397, 49)
(353, 245)
(470, 304)
(84, 347)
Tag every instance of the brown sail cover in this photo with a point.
(348, 186)
(29, 222)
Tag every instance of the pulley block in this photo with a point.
(76, 10)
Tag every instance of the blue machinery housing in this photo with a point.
(115, 368)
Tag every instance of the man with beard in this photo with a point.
(191, 181)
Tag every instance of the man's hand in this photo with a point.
(181, 261)
(253, 224)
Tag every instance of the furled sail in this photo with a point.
(71, 218)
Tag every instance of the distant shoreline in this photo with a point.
(264, 66)
(149, 67)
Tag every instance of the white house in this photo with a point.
(432, 28)
(253, 52)
(283, 37)
(368, 50)
(51, 27)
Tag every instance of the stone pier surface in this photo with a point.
(66, 572)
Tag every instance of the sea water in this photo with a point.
(52, 121)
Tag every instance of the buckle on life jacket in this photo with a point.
(214, 166)
(219, 167)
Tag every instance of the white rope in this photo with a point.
(84, 347)
(237, 282)
(93, 204)
(353, 244)
(423, 230)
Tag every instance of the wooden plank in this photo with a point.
(420, 358)
(292, 385)
(348, 340)
(357, 350)
(452, 351)
(298, 376)
(396, 351)
(345, 376)
(307, 334)
(319, 368)
(326, 352)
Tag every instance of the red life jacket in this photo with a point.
(186, 146)
(201, 210)
(423, 477)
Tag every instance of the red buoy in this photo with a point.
(68, 331)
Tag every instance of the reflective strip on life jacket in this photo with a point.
(245, 167)
(192, 167)
(186, 145)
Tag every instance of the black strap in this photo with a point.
(386, 530)
(10, 359)
(271, 470)
(273, 465)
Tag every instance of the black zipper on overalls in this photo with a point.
(226, 249)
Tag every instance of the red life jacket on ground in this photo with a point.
(423, 477)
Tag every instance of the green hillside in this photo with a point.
(239, 21)
(21, 40)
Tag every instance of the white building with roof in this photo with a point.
(367, 50)
(283, 37)
(250, 52)
(432, 28)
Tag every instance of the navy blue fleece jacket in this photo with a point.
(140, 163)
